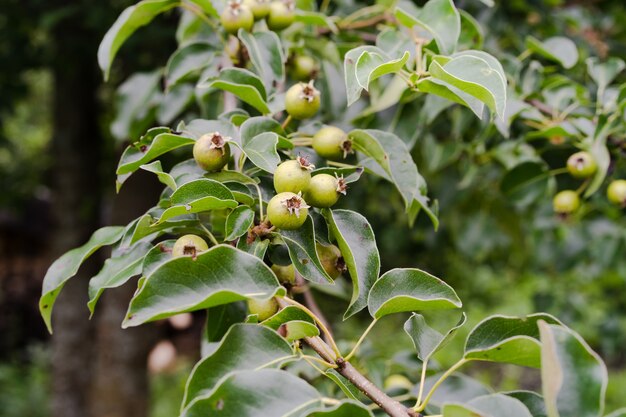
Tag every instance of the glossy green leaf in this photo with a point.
(347, 387)
(261, 150)
(393, 158)
(231, 176)
(131, 19)
(373, 65)
(345, 409)
(188, 61)
(165, 178)
(285, 315)
(401, 290)
(197, 196)
(148, 224)
(219, 320)
(602, 156)
(353, 88)
(558, 49)
(475, 76)
(450, 92)
(427, 340)
(526, 183)
(124, 264)
(494, 405)
(206, 6)
(135, 156)
(238, 222)
(356, 241)
(256, 248)
(157, 256)
(298, 329)
(603, 73)
(574, 378)
(267, 56)
(67, 266)
(217, 276)
(440, 18)
(316, 19)
(244, 347)
(533, 401)
(507, 340)
(244, 84)
(301, 246)
(199, 127)
(264, 392)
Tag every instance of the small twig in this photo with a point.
(542, 107)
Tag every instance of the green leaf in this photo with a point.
(316, 19)
(494, 405)
(231, 176)
(157, 256)
(124, 264)
(574, 377)
(256, 248)
(188, 61)
(244, 347)
(440, 18)
(618, 413)
(427, 340)
(602, 156)
(199, 127)
(526, 183)
(238, 222)
(507, 340)
(450, 92)
(135, 101)
(244, 84)
(301, 246)
(401, 290)
(147, 224)
(67, 266)
(217, 276)
(558, 49)
(603, 73)
(347, 387)
(197, 196)
(165, 178)
(533, 401)
(393, 157)
(206, 6)
(298, 329)
(264, 392)
(356, 241)
(261, 150)
(353, 88)
(136, 155)
(267, 56)
(347, 408)
(475, 76)
(219, 320)
(285, 315)
(373, 65)
(131, 19)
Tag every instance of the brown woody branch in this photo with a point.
(390, 406)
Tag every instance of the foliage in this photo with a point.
(397, 78)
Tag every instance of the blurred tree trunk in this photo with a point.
(120, 386)
(76, 154)
(98, 369)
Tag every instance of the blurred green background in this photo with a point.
(57, 159)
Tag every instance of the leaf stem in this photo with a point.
(258, 191)
(340, 164)
(318, 360)
(319, 322)
(361, 339)
(200, 14)
(422, 379)
(324, 6)
(209, 234)
(443, 377)
(524, 55)
(286, 122)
